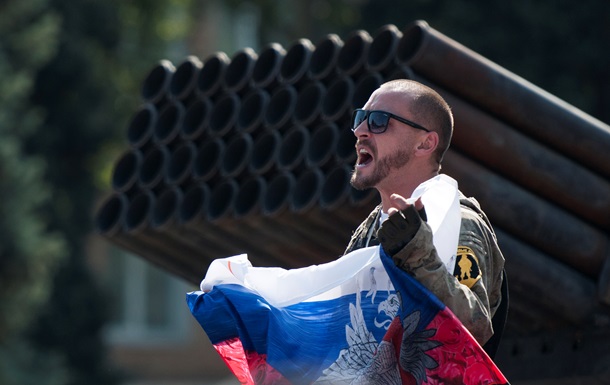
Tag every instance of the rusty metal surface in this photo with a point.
(506, 95)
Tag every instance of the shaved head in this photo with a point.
(427, 107)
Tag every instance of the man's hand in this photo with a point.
(402, 224)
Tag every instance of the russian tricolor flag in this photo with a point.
(356, 320)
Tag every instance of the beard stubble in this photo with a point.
(383, 168)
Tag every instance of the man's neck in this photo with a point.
(403, 187)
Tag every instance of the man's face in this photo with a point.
(382, 156)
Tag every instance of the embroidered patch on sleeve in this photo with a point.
(467, 269)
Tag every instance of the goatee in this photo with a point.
(382, 169)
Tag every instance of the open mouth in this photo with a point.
(364, 157)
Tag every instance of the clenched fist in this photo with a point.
(400, 227)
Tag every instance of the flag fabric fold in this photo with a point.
(371, 324)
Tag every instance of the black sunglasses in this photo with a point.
(377, 120)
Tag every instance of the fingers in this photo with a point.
(400, 203)
(398, 230)
(419, 205)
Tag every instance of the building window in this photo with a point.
(147, 304)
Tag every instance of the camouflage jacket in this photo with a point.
(473, 291)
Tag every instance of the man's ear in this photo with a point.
(428, 144)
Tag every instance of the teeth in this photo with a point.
(363, 151)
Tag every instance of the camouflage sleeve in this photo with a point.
(473, 291)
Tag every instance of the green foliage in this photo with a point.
(67, 87)
(70, 327)
(76, 90)
(22, 364)
(87, 91)
(29, 250)
(70, 75)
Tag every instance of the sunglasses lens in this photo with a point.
(378, 122)
(357, 118)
